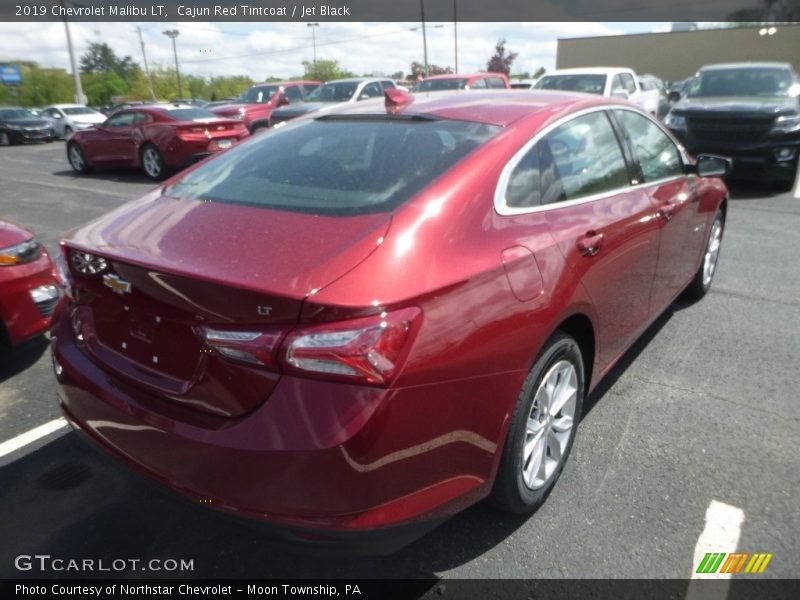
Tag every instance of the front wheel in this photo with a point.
(542, 428)
(77, 160)
(5, 138)
(153, 163)
(705, 275)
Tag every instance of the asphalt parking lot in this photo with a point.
(690, 443)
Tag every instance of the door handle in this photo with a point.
(589, 244)
(667, 210)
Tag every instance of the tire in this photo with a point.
(76, 158)
(521, 487)
(5, 138)
(152, 162)
(705, 274)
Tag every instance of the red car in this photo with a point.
(30, 286)
(455, 81)
(158, 138)
(366, 320)
(255, 106)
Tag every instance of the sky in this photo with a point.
(260, 50)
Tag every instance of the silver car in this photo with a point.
(68, 118)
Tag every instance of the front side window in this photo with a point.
(293, 93)
(478, 84)
(496, 83)
(336, 166)
(259, 95)
(371, 90)
(658, 156)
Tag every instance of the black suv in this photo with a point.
(748, 111)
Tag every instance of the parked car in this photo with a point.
(255, 106)
(68, 118)
(677, 89)
(20, 125)
(749, 111)
(158, 138)
(522, 84)
(367, 320)
(455, 81)
(30, 286)
(614, 82)
(331, 95)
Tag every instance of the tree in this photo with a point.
(100, 58)
(501, 61)
(324, 70)
(103, 88)
(417, 69)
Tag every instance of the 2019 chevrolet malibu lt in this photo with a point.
(369, 319)
(67, 118)
(20, 125)
(157, 138)
(30, 285)
(748, 111)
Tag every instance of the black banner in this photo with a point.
(399, 10)
(427, 589)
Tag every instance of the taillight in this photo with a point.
(256, 348)
(368, 350)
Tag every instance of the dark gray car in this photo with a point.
(19, 125)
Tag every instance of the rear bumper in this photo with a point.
(330, 459)
(21, 316)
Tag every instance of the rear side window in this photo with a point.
(656, 153)
(580, 158)
(335, 166)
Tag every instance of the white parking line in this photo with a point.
(721, 534)
(31, 436)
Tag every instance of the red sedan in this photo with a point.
(158, 138)
(30, 287)
(371, 318)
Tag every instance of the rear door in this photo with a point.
(682, 227)
(602, 223)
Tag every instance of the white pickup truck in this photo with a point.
(618, 82)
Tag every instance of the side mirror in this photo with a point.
(284, 101)
(709, 165)
(620, 94)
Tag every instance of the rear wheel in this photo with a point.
(153, 163)
(542, 428)
(77, 160)
(705, 275)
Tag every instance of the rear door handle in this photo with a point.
(589, 244)
(667, 210)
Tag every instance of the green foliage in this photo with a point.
(101, 88)
(39, 88)
(100, 58)
(324, 70)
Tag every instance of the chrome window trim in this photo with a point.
(500, 204)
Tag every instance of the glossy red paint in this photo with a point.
(489, 290)
(255, 115)
(119, 142)
(20, 318)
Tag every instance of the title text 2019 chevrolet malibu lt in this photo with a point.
(366, 321)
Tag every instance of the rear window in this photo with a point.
(190, 114)
(438, 85)
(335, 166)
(590, 84)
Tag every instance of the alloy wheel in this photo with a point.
(76, 158)
(712, 252)
(151, 161)
(549, 424)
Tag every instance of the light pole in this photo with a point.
(313, 38)
(173, 33)
(424, 37)
(455, 29)
(80, 97)
(146, 68)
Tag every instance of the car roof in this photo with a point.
(464, 75)
(589, 71)
(66, 106)
(744, 65)
(492, 107)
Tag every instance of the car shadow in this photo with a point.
(115, 175)
(16, 359)
(751, 190)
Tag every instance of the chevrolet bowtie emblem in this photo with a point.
(117, 285)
